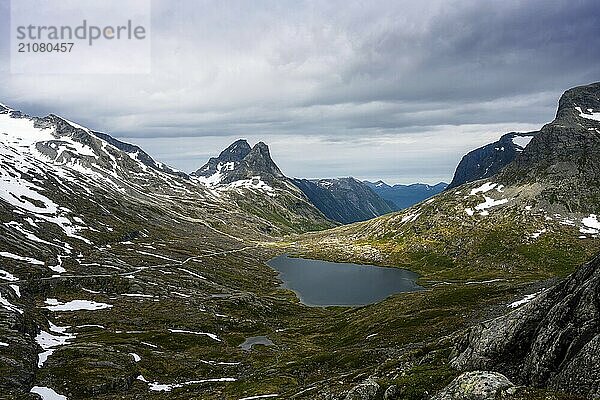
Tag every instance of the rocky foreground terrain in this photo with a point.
(123, 278)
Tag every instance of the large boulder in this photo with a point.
(365, 391)
(476, 385)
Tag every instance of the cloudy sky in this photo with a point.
(397, 90)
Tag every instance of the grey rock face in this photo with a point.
(235, 153)
(488, 160)
(257, 162)
(564, 155)
(553, 341)
(240, 161)
(344, 200)
(476, 385)
(365, 391)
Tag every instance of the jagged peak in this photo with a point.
(236, 151)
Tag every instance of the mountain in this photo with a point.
(344, 200)
(563, 158)
(239, 162)
(538, 214)
(250, 178)
(488, 160)
(551, 340)
(404, 196)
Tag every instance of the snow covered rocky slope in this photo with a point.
(110, 260)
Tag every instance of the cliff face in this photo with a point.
(345, 200)
(552, 341)
(489, 160)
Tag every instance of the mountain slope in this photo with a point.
(552, 341)
(249, 177)
(122, 280)
(488, 160)
(404, 196)
(344, 200)
(565, 155)
(537, 218)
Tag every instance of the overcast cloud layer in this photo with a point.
(374, 89)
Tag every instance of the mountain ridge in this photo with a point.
(344, 200)
(404, 196)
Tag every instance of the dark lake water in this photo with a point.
(324, 283)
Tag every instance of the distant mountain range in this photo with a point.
(404, 196)
(345, 200)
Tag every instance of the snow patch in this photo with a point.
(49, 342)
(75, 305)
(19, 258)
(410, 217)
(16, 289)
(594, 116)
(158, 387)
(210, 335)
(7, 276)
(7, 305)
(525, 300)
(255, 183)
(46, 393)
(539, 233)
(486, 187)
(489, 203)
(591, 225)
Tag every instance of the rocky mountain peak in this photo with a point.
(239, 162)
(236, 151)
(562, 159)
(581, 103)
(259, 162)
(228, 160)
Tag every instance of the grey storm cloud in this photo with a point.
(418, 84)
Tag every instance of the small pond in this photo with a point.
(324, 283)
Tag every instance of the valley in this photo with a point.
(123, 278)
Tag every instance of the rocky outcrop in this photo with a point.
(229, 159)
(476, 385)
(553, 341)
(365, 391)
